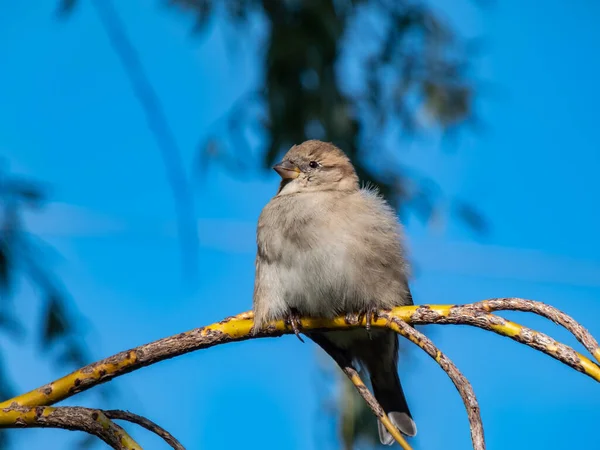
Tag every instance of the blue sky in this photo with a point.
(70, 119)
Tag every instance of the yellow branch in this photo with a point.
(341, 358)
(240, 327)
(547, 311)
(387, 423)
(463, 386)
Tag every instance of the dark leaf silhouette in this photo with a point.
(55, 324)
(5, 268)
(87, 442)
(29, 193)
(6, 386)
(74, 355)
(202, 10)
(471, 217)
(356, 419)
(6, 391)
(65, 7)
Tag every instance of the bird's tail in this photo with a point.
(379, 355)
(388, 389)
(388, 392)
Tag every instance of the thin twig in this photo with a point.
(460, 381)
(117, 414)
(345, 364)
(549, 312)
(92, 421)
(475, 315)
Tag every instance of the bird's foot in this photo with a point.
(370, 313)
(293, 320)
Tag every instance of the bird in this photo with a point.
(328, 247)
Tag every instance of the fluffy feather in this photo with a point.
(326, 248)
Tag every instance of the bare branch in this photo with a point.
(345, 364)
(240, 327)
(475, 315)
(92, 421)
(117, 414)
(549, 312)
(460, 381)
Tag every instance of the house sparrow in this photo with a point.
(327, 248)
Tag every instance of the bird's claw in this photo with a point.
(371, 315)
(293, 320)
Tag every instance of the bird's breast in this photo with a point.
(312, 257)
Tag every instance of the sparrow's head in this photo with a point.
(316, 166)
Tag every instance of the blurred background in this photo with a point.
(136, 143)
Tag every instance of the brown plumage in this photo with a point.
(327, 248)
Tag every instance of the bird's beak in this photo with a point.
(287, 170)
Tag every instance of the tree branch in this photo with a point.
(117, 414)
(345, 363)
(362, 389)
(549, 312)
(460, 381)
(475, 315)
(240, 327)
(92, 421)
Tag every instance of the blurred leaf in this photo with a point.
(238, 9)
(447, 104)
(55, 324)
(66, 7)
(12, 325)
(201, 8)
(28, 192)
(5, 268)
(417, 56)
(21, 256)
(423, 204)
(73, 355)
(86, 442)
(6, 391)
(5, 439)
(471, 217)
(6, 386)
(357, 423)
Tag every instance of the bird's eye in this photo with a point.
(313, 164)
